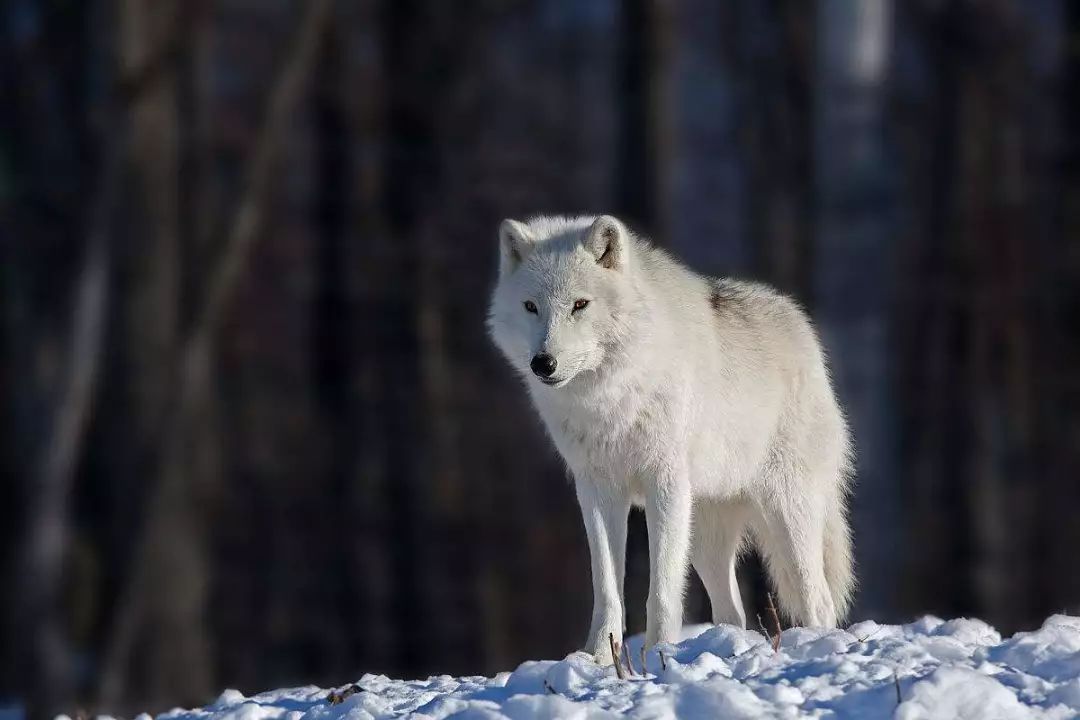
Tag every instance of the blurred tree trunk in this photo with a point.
(54, 287)
(852, 263)
(409, 169)
(646, 130)
(928, 132)
(1040, 263)
(996, 183)
(199, 227)
(770, 46)
(425, 498)
(368, 549)
(708, 108)
(44, 551)
(334, 325)
(169, 648)
(43, 621)
(1061, 533)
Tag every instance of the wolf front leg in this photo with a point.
(604, 511)
(668, 507)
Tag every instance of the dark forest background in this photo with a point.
(253, 433)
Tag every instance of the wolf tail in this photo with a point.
(839, 563)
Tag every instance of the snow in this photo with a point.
(955, 669)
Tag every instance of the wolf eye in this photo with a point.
(530, 306)
(579, 305)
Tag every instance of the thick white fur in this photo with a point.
(692, 397)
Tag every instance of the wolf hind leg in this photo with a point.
(790, 534)
(718, 529)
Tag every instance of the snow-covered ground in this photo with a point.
(926, 669)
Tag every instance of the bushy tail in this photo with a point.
(839, 564)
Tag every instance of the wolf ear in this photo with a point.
(514, 244)
(607, 240)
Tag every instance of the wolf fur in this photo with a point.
(705, 401)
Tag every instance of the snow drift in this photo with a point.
(930, 668)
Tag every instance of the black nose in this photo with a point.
(543, 365)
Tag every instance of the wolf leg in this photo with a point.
(717, 537)
(605, 511)
(668, 506)
(791, 536)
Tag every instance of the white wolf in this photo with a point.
(690, 396)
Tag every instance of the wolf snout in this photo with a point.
(543, 365)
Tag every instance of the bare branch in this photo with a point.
(626, 657)
(764, 630)
(615, 657)
(775, 617)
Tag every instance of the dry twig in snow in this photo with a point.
(336, 697)
(615, 657)
(771, 607)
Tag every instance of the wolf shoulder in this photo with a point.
(749, 303)
(734, 312)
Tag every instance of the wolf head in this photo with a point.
(559, 307)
